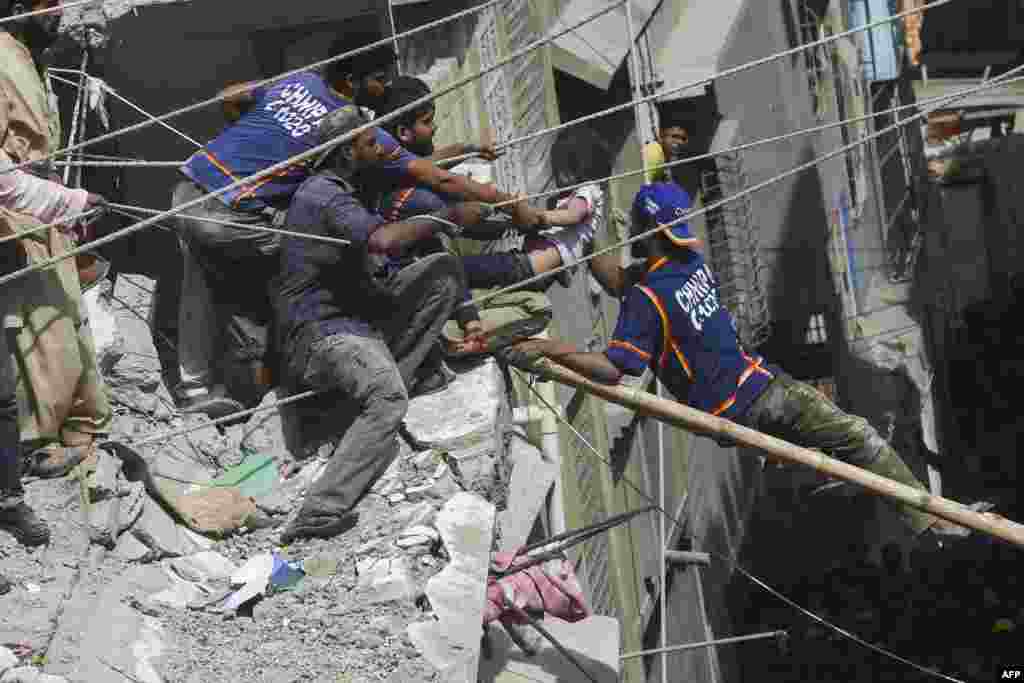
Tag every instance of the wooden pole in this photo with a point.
(699, 422)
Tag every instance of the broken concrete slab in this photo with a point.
(420, 514)
(204, 566)
(30, 674)
(158, 530)
(470, 404)
(179, 595)
(131, 549)
(389, 580)
(451, 642)
(99, 624)
(7, 660)
(594, 642)
(532, 478)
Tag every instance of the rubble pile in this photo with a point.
(166, 563)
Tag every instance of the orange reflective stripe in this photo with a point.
(249, 190)
(668, 342)
(754, 366)
(657, 264)
(220, 167)
(264, 180)
(629, 347)
(399, 202)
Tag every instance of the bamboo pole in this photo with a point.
(699, 422)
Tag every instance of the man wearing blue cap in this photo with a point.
(672, 320)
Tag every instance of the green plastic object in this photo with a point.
(255, 476)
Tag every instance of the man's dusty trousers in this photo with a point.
(366, 381)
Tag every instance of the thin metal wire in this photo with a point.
(749, 576)
(227, 418)
(55, 224)
(127, 163)
(707, 643)
(394, 30)
(50, 10)
(243, 226)
(274, 79)
(722, 74)
(304, 156)
(118, 96)
(747, 145)
(739, 195)
(611, 110)
(76, 116)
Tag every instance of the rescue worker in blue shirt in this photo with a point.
(267, 125)
(342, 329)
(672, 320)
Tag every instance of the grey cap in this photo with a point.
(335, 125)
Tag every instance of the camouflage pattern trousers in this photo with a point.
(797, 412)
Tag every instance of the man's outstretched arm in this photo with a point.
(237, 100)
(594, 366)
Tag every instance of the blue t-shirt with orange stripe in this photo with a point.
(672, 320)
(282, 122)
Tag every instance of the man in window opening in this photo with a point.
(672, 320)
(671, 145)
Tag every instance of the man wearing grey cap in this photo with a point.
(342, 329)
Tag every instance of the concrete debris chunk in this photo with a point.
(205, 566)
(103, 483)
(179, 595)
(157, 530)
(594, 642)
(28, 674)
(255, 568)
(417, 535)
(532, 478)
(131, 549)
(7, 660)
(451, 642)
(426, 459)
(396, 498)
(420, 514)
(389, 581)
(418, 492)
(389, 487)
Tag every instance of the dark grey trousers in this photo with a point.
(367, 379)
(797, 412)
(11, 492)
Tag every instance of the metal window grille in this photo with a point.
(816, 332)
(735, 251)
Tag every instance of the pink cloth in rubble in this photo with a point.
(551, 587)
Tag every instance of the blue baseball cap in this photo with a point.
(663, 203)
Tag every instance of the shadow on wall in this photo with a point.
(724, 487)
(801, 281)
